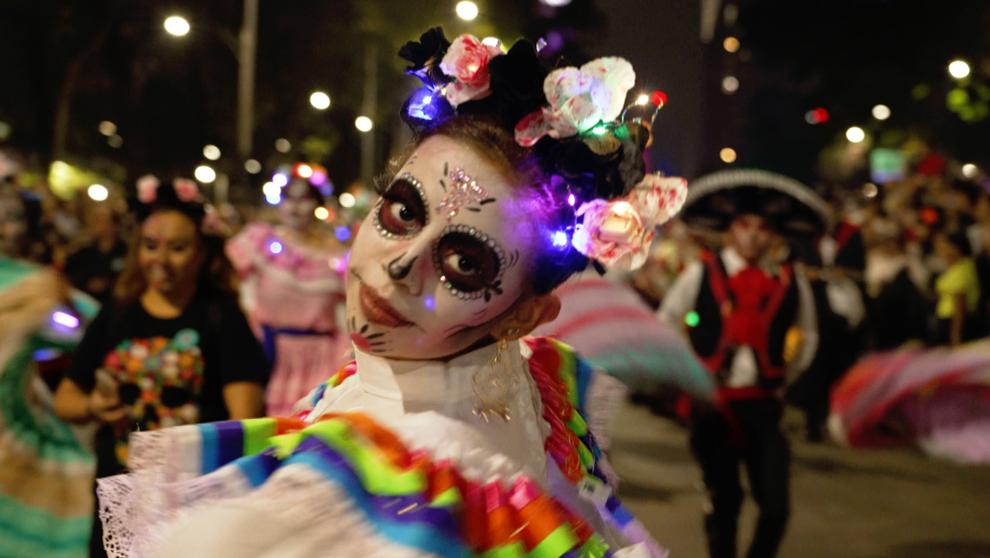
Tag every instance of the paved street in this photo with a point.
(846, 503)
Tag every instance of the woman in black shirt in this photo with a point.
(173, 347)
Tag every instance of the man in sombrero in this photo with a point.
(741, 307)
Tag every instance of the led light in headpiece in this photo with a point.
(571, 200)
(639, 115)
(559, 239)
(275, 247)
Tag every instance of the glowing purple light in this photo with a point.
(275, 247)
(559, 239)
(571, 200)
(319, 177)
(64, 320)
(342, 233)
(421, 105)
(430, 303)
(280, 179)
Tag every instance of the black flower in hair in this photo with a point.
(424, 57)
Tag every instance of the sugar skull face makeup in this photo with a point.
(444, 253)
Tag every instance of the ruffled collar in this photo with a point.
(433, 383)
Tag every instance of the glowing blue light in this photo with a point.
(559, 239)
(273, 200)
(64, 320)
(275, 247)
(430, 303)
(45, 354)
(280, 179)
(342, 233)
(421, 105)
(571, 200)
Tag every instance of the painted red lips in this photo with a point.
(378, 311)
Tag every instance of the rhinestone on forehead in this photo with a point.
(462, 191)
(378, 207)
(489, 241)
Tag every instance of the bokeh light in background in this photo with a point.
(969, 170)
(107, 128)
(881, 112)
(319, 100)
(727, 155)
(466, 10)
(363, 124)
(283, 145)
(205, 174)
(855, 134)
(177, 26)
(730, 44)
(252, 166)
(816, 116)
(730, 84)
(347, 199)
(97, 192)
(959, 69)
(211, 152)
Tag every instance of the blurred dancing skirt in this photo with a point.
(938, 399)
(613, 329)
(46, 476)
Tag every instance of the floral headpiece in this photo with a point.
(576, 122)
(180, 194)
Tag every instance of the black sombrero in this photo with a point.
(792, 208)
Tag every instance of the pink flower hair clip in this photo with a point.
(185, 189)
(620, 231)
(467, 62)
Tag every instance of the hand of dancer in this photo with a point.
(104, 403)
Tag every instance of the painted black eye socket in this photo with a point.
(402, 210)
(468, 263)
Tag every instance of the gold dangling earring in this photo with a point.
(494, 385)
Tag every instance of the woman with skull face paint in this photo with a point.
(293, 290)
(450, 434)
(173, 346)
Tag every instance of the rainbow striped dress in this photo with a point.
(343, 484)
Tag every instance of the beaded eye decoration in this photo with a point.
(463, 192)
(376, 212)
(486, 292)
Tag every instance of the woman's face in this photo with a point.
(443, 255)
(297, 205)
(13, 224)
(170, 253)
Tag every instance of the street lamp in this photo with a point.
(319, 100)
(959, 68)
(176, 26)
(363, 124)
(466, 10)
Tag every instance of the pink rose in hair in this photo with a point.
(467, 62)
(147, 188)
(621, 230)
(186, 190)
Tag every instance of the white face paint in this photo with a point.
(296, 208)
(445, 252)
